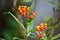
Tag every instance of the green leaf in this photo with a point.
(52, 2)
(33, 30)
(30, 26)
(55, 36)
(48, 32)
(35, 37)
(8, 35)
(17, 20)
(16, 24)
(16, 38)
(19, 2)
(52, 27)
(28, 34)
(27, 0)
(31, 7)
(45, 37)
(12, 25)
(48, 19)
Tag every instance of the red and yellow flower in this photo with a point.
(43, 26)
(23, 10)
(40, 28)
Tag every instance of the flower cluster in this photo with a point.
(40, 29)
(24, 10)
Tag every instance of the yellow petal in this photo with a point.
(37, 27)
(28, 8)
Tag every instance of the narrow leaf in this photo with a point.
(52, 2)
(55, 36)
(30, 26)
(52, 27)
(17, 20)
(31, 7)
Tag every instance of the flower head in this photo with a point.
(23, 10)
(41, 27)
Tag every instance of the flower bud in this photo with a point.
(40, 35)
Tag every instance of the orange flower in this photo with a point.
(43, 26)
(40, 29)
(23, 10)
